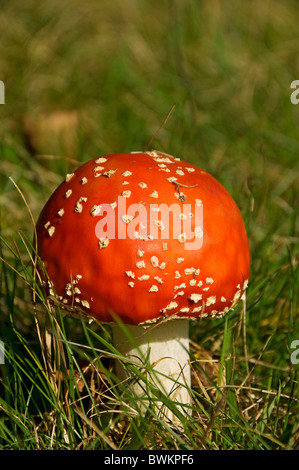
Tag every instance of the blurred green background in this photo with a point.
(117, 67)
(86, 78)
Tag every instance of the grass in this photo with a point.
(89, 78)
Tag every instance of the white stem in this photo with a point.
(166, 345)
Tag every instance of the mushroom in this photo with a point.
(154, 241)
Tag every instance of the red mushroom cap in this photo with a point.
(143, 236)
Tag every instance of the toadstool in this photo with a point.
(155, 241)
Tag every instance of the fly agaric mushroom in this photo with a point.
(153, 240)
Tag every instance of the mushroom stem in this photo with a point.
(166, 348)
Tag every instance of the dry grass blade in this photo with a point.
(26, 204)
(95, 428)
(161, 127)
(252, 369)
